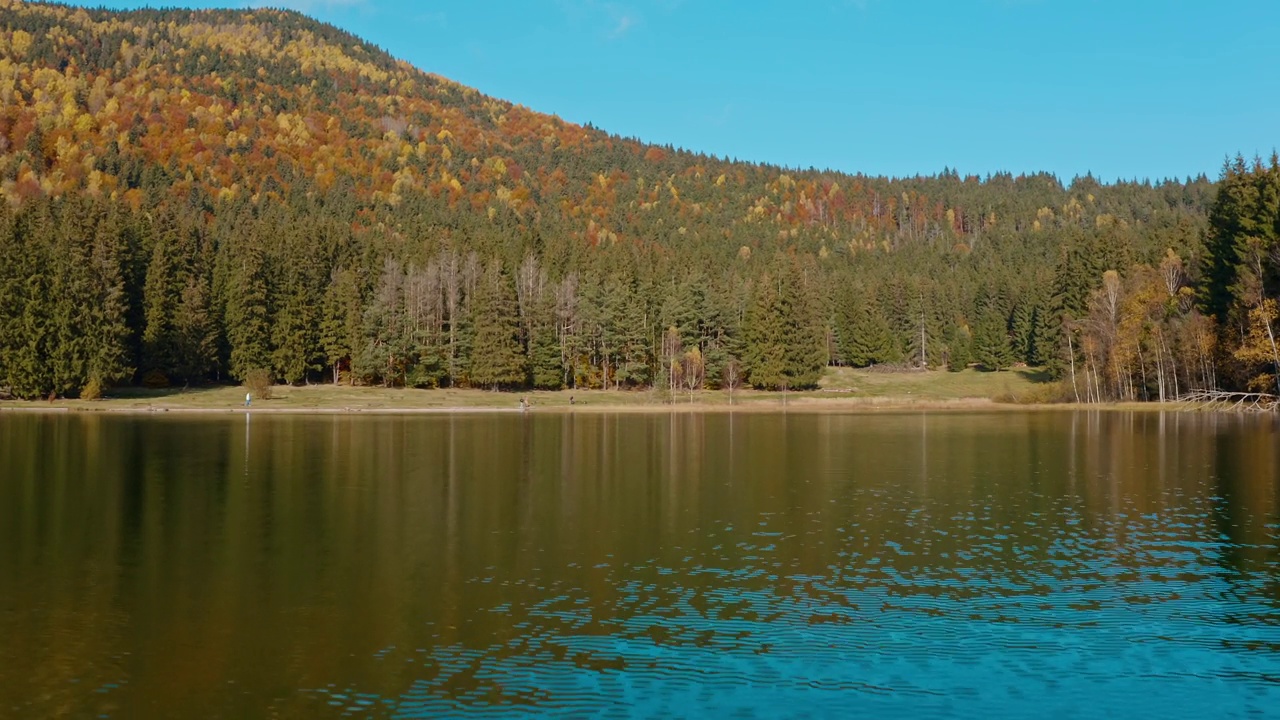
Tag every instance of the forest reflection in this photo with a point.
(156, 564)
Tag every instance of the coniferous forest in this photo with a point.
(188, 196)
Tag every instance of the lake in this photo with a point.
(913, 565)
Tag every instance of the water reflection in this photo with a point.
(897, 564)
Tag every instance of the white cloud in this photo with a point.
(607, 20)
(625, 23)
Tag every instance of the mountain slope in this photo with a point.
(272, 192)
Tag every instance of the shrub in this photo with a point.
(259, 382)
(155, 380)
(92, 390)
(1040, 394)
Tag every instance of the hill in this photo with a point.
(189, 196)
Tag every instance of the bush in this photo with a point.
(1041, 394)
(155, 380)
(92, 390)
(259, 382)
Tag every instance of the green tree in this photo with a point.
(341, 321)
(497, 359)
(991, 340)
(766, 336)
(248, 317)
(960, 348)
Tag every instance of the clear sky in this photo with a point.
(1121, 88)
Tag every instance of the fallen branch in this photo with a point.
(1233, 401)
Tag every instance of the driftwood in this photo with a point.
(1233, 401)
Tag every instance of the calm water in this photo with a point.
(909, 565)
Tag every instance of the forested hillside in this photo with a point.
(191, 195)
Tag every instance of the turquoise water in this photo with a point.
(891, 565)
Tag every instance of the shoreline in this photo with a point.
(842, 390)
(800, 406)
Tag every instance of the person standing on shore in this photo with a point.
(248, 398)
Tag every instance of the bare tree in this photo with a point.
(732, 377)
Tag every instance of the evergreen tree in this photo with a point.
(294, 336)
(194, 331)
(626, 329)
(865, 338)
(960, 349)
(991, 340)
(160, 301)
(1021, 338)
(71, 291)
(386, 344)
(1045, 333)
(766, 334)
(341, 322)
(546, 371)
(107, 312)
(804, 344)
(248, 318)
(28, 340)
(497, 360)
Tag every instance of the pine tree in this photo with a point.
(107, 326)
(159, 302)
(804, 344)
(923, 335)
(29, 338)
(71, 292)
(341, 322)
(960, 349)
(1046, 330)
(1021, 339)
(294, 334)
(766, 337)
(545, 369)
(991, 340)
(12, 267)
(248, 318)
(627, 328)
(497, 360)
(386, 343)
(194, 331)
(866, 338)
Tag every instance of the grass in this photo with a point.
(935, 385)
(840, 387)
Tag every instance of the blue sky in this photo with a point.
(1121, 88)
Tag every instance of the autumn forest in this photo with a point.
(190, 197)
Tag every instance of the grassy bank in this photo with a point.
(840, 388)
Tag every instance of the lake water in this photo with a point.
(880, 565)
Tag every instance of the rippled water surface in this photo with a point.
(897, 565)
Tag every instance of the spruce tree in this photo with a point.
(766, 337)
(294, 335)
(12, 265)
(107, 326)
(159, 302)
(71, 292)
(29, 341)
(959, 348)
(1021, 337)
(248, 317)
(341, 321)
(804, 343)
(991, 340)
(1046, 331)
(546, 371)
(867, 338)
(497, 360)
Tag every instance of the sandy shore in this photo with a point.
(861, 405)
(843, 391)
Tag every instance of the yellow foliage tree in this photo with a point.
(1259, 345)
